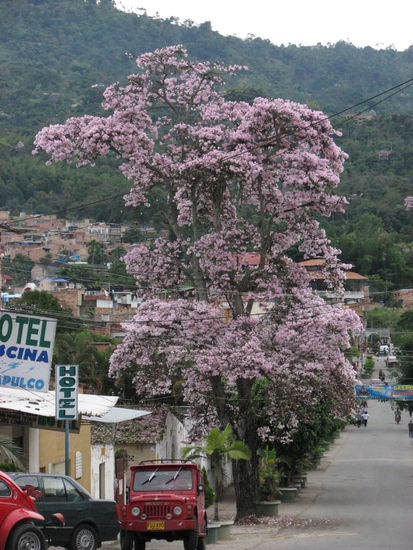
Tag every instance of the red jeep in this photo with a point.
(17, 516)
(166, 501)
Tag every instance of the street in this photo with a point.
(365, 490)
(361, 496)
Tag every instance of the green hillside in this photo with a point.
(56, 54)
(56, 57)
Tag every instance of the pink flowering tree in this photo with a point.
(251, 345)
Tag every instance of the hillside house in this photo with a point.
(405, 296)
(355, 286)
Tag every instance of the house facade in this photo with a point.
(43, 442)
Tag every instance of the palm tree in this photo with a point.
(219, 445)
(79, 349)
(13, 452)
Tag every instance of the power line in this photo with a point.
(267, 142)
(174, 322)
(396, 89)
(80, 207)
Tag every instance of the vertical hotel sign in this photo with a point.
(26, 350)
(66, 392)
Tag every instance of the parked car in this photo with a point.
(88, 521)
(166, 502)
(392, 361)
(18, 515)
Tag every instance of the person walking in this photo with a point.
(410, 425)
(365, 417)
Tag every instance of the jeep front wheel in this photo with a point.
(191, 540)
(127, 539)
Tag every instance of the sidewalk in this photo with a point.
(291, 515)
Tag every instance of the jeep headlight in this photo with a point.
(177, 510)
(135, 511)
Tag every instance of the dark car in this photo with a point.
(88, 521)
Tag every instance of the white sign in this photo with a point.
(66, 392)
(26, 350)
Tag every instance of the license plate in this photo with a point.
(155, 525)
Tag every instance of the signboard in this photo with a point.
(26, 350)
(398, 392)
(50, 423)
(67, 384)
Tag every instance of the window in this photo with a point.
(72, 494)
(54, 490)
(24, 481)
(4, 490)
(162, 480)
(78, 464)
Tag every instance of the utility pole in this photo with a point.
(6, 229)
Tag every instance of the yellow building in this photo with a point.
(52, 456)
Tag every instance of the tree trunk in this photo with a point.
(246, 486)
(216, 511)
(245, 472)
(218, 490)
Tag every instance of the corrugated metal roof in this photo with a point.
(43, 403)
(118, 414)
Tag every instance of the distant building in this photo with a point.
(405, 296)
(356, 287)
(355, 296)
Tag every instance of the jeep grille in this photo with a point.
(156, 509)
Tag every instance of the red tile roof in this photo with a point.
(316, 274)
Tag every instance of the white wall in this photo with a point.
(102, 454)
(171, 443)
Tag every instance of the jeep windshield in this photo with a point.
(162, 480)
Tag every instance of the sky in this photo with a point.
(376, 23)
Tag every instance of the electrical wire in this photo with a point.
(74, 208)
(117, 278)
(172, 322)
(267, 142)
(395, 89)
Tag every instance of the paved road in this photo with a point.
(364, 488)
(361, 496)
(365, 491)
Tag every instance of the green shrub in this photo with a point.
(208, 490)
(368, 366)
(269, 474)
(8, 467)
(121, 453)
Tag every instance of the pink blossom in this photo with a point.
(228, 178)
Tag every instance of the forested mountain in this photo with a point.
(56, 56)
